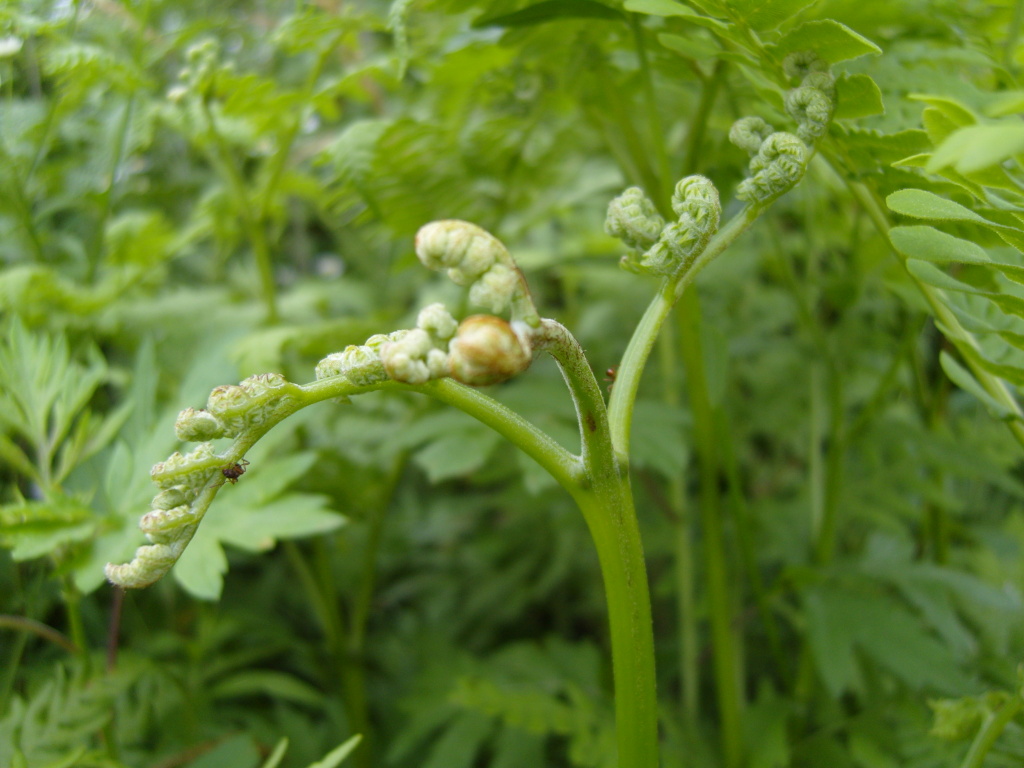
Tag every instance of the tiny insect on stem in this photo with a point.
(232, 472)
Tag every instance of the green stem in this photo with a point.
(826, 541)
(120, 143)
(254, 226)
(620, 133)
(22, 206)
(73, 606)
(990, 730)
(627, 381)
(280, 157)
(1013, 34)
(330, 621)
(699, 123)
(607, 506)
(606, 501)
(689, 667)
(720, 604)
(656, 131)
(746, 531)
(368, 579)
(33, 627)
(815, 461)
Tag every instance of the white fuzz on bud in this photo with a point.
(474, 257)
(406, 360)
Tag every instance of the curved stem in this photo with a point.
(605, 498)
(591, 412)
(533, 441)
(627, 382)
(34, 627)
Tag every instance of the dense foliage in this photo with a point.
(825, 449)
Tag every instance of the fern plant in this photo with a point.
(444, 358)
(831, 525)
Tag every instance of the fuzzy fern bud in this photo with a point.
(359, 364)
(799, 64)
(406, 360)
(487, 350)
(150, 563)
(748, 133)
(695, 201)
(474, 257)
(633, 219)
(185, 480)
(421, 354)
(777, 167)
(194, 426)
(186, 473)
(812, 109)
(249, 403)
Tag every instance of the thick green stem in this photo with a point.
(605, 498)
(607, 506)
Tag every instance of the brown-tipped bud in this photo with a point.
(486, 350)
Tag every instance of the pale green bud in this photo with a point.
(160, 522)
(193, 425)
(361, 365)
(172, 497)
(748, 133)
(633, 219)
(190, 471)
(778, 165)
(812, 109)
(263, 384)
(672, 251)
(798, 64)
(150, 563)
(436, 320)
(823, 81)
(464, 249)
(495, 288)
(473, 256)
(405, 360)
